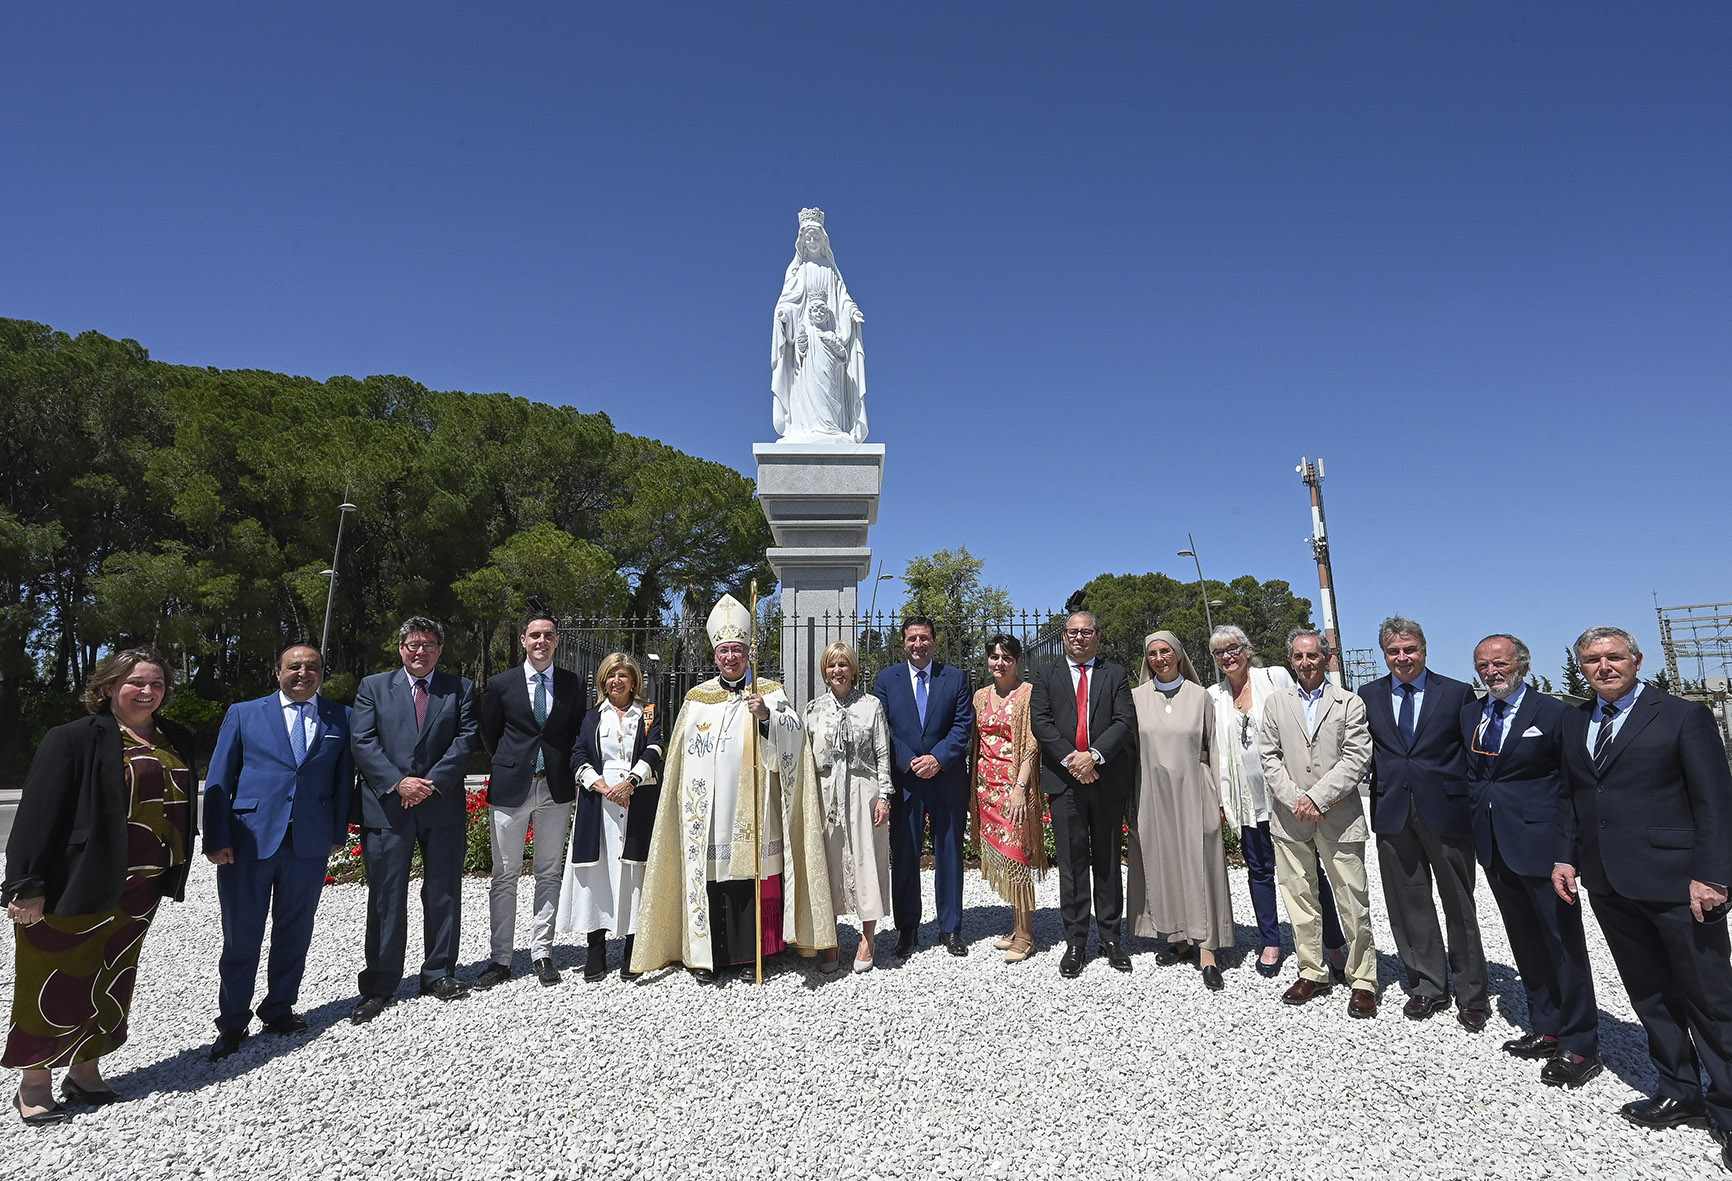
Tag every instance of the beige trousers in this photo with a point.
(1344, 862)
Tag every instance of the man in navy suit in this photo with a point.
(276, 806)
(929, 711)
(412, 731)
(1514, 750)
(529, 719)
(1085, 723)
(1649, 833)
(1424, 825)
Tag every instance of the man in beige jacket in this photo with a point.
(1316, 747)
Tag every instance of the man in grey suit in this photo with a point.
(411, 732)
(1316, 746)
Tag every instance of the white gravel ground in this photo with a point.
(944, 1067)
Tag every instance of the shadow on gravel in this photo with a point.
(178, 1074)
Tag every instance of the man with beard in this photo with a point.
(1515, 744)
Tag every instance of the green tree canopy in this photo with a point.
(196, 509)
(1130, 606)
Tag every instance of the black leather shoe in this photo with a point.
(492, 974)
(55, 1114)
(625, 972)
(1472, 1020)
(446, 988)
(1114, 954)
(1532, 1045)
(1071, 966)
(226, 1044)
(1661, 1112)
(369, 1008)
(952, 941)
(1170, 955)
(703, 975)
(73, 1093)
(1569, 1070)
(1267, 971)
(906, 942)
(1212, 978)
(287, 1025)
(547, 973)
(1418, 1008)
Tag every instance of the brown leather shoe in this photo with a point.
(1303, 990)
(1363, 1003)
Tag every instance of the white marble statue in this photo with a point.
(817, 358)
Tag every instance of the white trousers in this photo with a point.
(510, 827)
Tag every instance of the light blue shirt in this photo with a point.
(1623, 703)
(1418, 695)
(1511, 704)
(1311, 699)
(309, 716)
(529, 675)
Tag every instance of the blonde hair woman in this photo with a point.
(618, 760)
(851, 745)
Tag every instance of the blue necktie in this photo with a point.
(540, 719)
(298, 733)
(1406, 719)
(920, 696)
(1603, 740)
(1494, 730)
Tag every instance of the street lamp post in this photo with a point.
(872, 604)
(343, 511)
(1203, 591)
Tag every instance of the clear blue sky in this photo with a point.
(1121, 265)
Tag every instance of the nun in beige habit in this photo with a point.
(1178, 864)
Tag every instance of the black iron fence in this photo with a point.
(877, 638)
(675, 654)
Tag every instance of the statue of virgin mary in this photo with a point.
(817, 357)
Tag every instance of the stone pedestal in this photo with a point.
(820, 500)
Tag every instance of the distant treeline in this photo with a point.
(196, 509)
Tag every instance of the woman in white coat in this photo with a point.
(1238, 700)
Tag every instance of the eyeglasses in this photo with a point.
(420, 646)
(1079, 633)
(1228, 651)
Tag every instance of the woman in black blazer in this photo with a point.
(101, 835)
(618, 761)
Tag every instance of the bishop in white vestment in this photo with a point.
(736, 749)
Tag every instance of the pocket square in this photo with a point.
(1532, 732)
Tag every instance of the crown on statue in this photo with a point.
(728, 622)
(812, 217)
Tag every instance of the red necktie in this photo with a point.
(420, 704)
(1082, 707)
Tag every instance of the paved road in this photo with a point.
(8, 805)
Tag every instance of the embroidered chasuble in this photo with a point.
(704, 827)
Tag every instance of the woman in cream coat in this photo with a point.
(851, 745)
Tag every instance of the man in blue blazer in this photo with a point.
(1419, 809)
(929, 711)
(276, 806)
(413, 729)
(1514, 751)
(1649, 833)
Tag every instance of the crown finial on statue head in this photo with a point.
(813, 217)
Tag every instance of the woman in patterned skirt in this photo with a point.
(1006, 806)
(101, 836)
